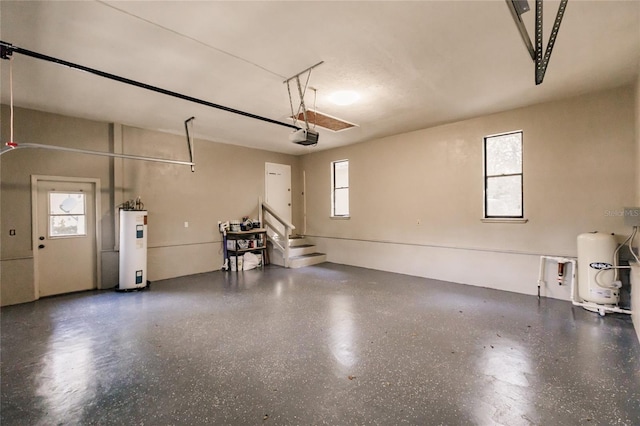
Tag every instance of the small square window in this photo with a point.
(67, 214)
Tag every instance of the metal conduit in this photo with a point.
(15, 146)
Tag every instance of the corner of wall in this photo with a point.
(637, 119)
(635, 295)
(635, 298)
(18, 274)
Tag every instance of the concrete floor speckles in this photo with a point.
(328, 344)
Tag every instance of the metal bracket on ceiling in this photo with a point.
(303, 71)
(6, 50)
(540, 57)
(190, 142)
(301, 93)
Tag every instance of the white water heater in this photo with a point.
(595, 276)
(133, 249)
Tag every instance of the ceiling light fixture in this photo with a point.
(344, 97)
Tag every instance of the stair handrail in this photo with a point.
(272, 212)
(263, 207)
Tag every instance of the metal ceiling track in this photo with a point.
(539, 55)
(7, 49)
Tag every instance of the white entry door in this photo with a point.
(277, 191)
(65, 236)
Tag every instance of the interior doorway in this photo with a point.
(277, 190)
(65, 234)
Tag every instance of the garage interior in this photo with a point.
(429, 308)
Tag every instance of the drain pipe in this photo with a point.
(559, 260)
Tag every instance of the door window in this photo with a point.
(67, 214)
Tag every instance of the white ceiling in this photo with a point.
(415, 63)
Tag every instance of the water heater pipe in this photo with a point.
(541, 280)
(602, 309)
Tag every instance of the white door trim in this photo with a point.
(266, 193)
(304, 202)
(34, 224)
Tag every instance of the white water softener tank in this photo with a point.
(595, 278)
(133, 249)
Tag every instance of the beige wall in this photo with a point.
(226, 185)
(579, 163)
(16, 252)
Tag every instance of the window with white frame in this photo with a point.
(340, 188)
(503, 197)
(67, 214)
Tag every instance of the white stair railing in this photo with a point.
(274, 223)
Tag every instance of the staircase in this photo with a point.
(284, 248)
(301, 254)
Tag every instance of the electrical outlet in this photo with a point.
(12, 232)
(186, 224)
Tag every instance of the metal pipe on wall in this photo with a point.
(601, 309)
(15, 146)
(190, 141)
(558, 259)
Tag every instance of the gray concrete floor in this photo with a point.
(327, 344)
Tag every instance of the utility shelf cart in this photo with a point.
(240, 242)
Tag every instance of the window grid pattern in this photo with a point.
(340, 188)
(503, 177)
(67, 214)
